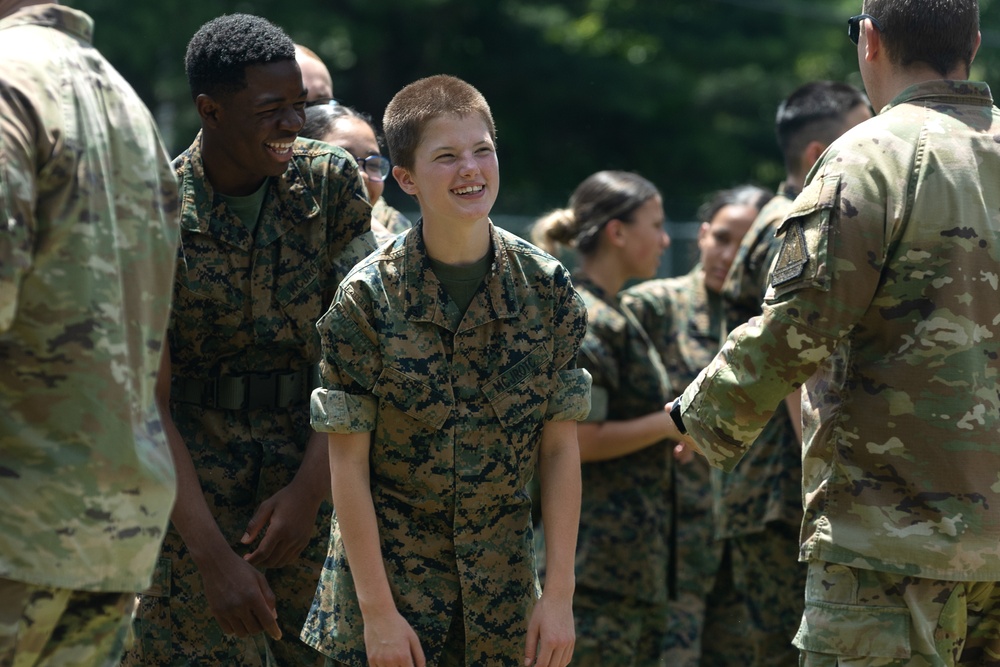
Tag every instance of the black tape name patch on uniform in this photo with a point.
(793, 256)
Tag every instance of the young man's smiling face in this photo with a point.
(252, 130)
(455, 175)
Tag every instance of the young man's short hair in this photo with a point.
(815, 111)
(425, 99)
(939, 33)
(222, 49)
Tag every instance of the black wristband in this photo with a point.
(675, 414)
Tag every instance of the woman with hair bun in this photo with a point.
(614, 222)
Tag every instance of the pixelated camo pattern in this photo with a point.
(623, 543)
(457, 404)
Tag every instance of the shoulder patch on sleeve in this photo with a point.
(793, 256)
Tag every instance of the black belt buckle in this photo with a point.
(261, 392)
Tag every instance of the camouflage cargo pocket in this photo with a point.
(152, 625)
(839, 621)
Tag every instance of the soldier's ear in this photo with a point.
(208, 109)
(405, 180)
(614, 232)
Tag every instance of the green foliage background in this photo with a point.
(681, 91)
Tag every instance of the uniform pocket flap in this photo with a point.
(818, 195)
(409, 395)
(522, 388)
(854, 631)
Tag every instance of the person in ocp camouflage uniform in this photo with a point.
(88, 235)
(758, 505)
(684, 317)
(449, 375)
(270, 225)
(615, 223)
(883, 302)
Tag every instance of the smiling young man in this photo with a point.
(269, 226)
(448, 373)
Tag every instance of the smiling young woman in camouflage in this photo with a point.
(449, 375)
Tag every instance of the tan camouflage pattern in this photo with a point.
(53, 627)
(684, 322)
(623, 545)
(858, 616)
(88, 236)
(456, 405)
(247, 305)
(883, 303)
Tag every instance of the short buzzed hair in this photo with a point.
(422, 101)
(815, 111)
(219, 53)
(939, 33)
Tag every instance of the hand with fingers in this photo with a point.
(289, 518)
(239, 596)
(551, 634)
(391, 642)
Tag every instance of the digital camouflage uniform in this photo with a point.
(456, 406)
(393, 221)
(623, 548)
(248, 305)
(88, 234)
(884, 303)
(758, 505)
(707, 621)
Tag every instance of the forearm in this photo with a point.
(559, 473)
(600, 441)
(313, 474)
(352, 501)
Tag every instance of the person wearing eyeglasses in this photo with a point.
(354, 131)
(883, 303)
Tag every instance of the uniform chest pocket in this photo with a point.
(298, 285)
(412, 397)
(522, 389)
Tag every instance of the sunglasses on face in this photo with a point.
(854, 26)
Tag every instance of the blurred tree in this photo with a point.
(682, 91)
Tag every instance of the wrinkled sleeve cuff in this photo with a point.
(336, 411)
(570, 400)
(720, 448)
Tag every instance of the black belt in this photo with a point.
(245, 392)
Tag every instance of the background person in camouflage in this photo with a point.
(449, 374)
(615, 223)
(684, 317)
(270, 225)
(758, 505)
(88, 234)
(355, 132)
(883, 302)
